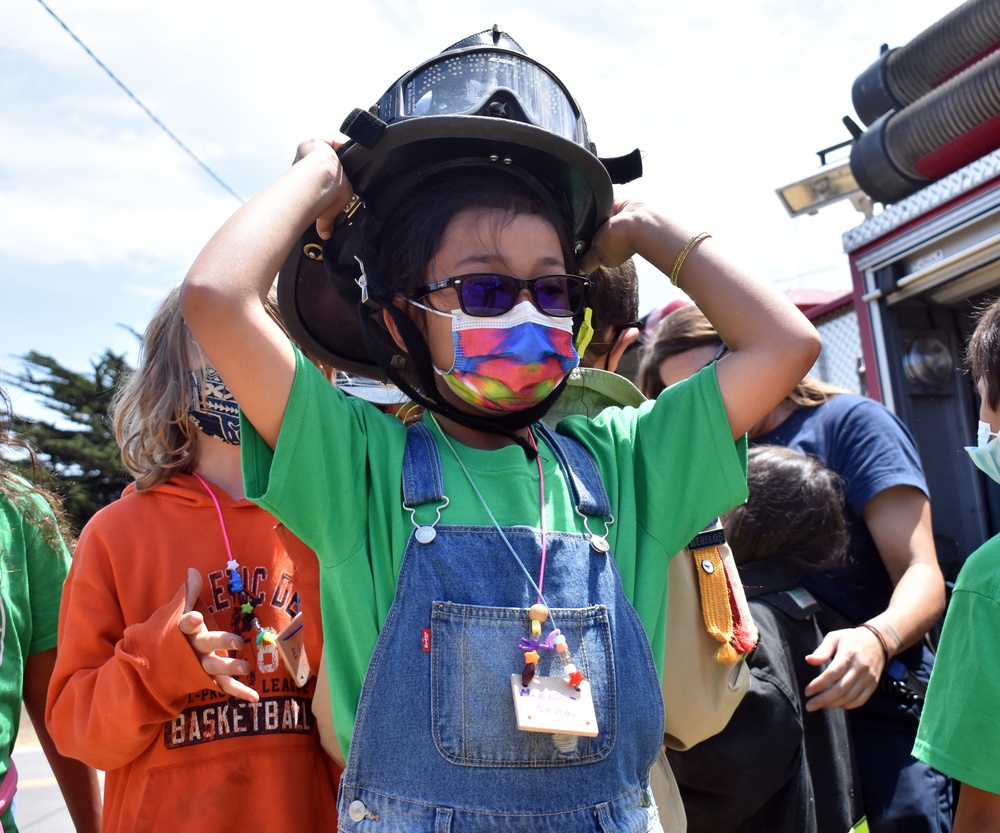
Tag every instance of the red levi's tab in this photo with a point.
(425, 640)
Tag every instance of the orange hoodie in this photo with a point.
(128, 694)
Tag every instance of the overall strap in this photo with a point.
(422, 480)
(584, 477)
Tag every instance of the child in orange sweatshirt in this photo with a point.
(168, 675)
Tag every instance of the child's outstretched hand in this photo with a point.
(205, 643)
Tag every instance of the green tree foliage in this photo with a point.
(80, 453)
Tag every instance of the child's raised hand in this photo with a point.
(310, 145)
(337, 189)
(222, 669)
(614, 242)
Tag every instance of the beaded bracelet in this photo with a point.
(880, 638)
(675, 271)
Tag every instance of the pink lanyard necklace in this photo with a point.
(246, 602)
(538, 612)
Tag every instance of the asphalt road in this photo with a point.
(39, 805)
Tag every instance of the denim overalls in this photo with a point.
(436, 746)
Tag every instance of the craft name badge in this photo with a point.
(550, 704)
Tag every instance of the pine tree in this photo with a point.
(82, 458)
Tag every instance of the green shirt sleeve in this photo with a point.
(959, 732)
(336, 456)
(46, 566)
(334, 480)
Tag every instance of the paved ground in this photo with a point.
(39, 805)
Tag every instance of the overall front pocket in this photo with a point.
(474, 650)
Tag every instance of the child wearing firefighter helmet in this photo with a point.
(493, 590)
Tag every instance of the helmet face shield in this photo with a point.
(480, 103)
(483, 82)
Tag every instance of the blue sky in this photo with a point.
(101, 213)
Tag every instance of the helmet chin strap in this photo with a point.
(431, 397)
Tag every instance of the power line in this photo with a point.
(144, 108)
(808, 274)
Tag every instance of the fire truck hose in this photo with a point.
(950, 127)
(930, 138)
(901, 76)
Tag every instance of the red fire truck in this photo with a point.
(921, 266)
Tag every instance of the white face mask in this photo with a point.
(986, 453)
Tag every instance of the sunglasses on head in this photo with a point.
(489, 294)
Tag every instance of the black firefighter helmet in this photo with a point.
(482, 101)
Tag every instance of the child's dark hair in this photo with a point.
(795, 511)
(397, 249)
(410, 234)
(982, 356)
(614, 295)
(613, 298)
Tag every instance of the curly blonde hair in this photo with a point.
(17, 491)
(150, 409)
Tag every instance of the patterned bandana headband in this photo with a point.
(213, 407)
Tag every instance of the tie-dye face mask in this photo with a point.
(213, 407)
(508, 362)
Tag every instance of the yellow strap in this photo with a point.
(860, 827)
(586, 332)
(715, 607)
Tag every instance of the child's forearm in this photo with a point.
(77, 781)
(246, 253)
(772, 344)
(222, 296)
(737, 303)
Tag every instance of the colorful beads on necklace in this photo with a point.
(235, 580)
(539, 613)
(266, 637)
(575, 676)
(531, 645)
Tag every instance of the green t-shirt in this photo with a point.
(959, 733)
(334, 479)
(35, 564)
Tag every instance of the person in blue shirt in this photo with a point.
(887, 595)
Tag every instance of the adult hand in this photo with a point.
(856, 664)
(337, 187)
(205, 643)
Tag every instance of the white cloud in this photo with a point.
(728, 101)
